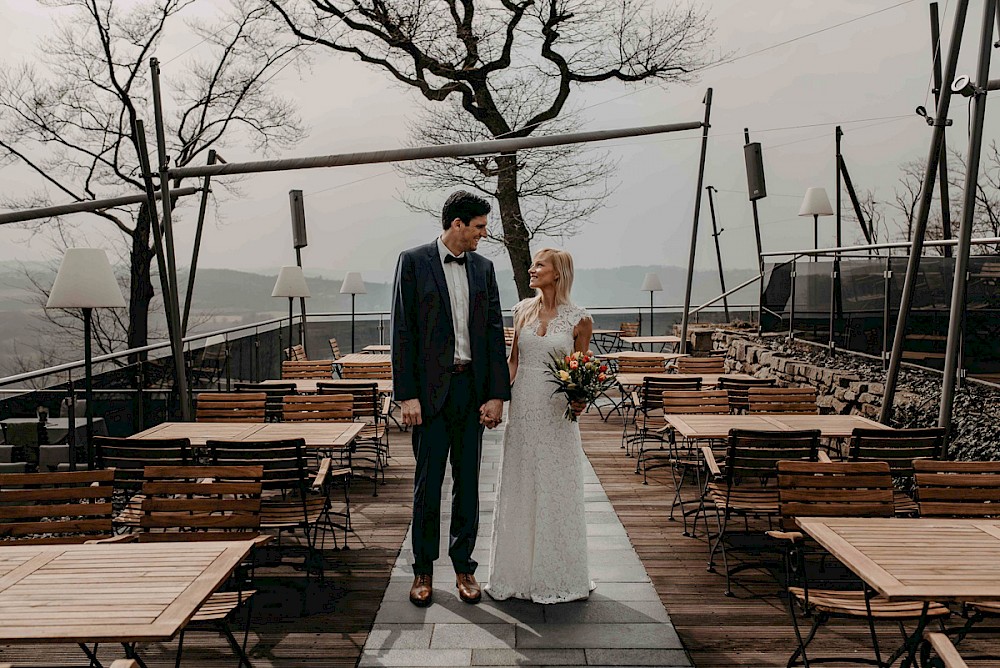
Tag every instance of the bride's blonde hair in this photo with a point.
(562, 263)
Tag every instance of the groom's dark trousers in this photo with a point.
(453, 434)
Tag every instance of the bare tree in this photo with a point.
(506, 69)
(69, 118)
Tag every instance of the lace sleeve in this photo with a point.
(580, 314)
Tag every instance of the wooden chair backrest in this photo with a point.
(897, 447)
(838, 489)
(710, 402)
(335, 349)
(130, 456)
(754, 455)
(230, 407)
(738, 387)
(629, 328)
(957, 489)
(651, 393)
(56, 508)
(296, 353)
(319, 408)
(782, 400)
(283, 460)
(195, 503)
(370, 370)
(701, 365)
(310, 369)
(364, 395)
(641, 365)
(508, 336)
(276, 393)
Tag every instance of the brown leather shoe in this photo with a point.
(468, 588)
(421, 591)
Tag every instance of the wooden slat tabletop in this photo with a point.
(364, 358)
(200, 432)
(316, 434)
(598, 332)
(832, 426)
(377, 348)
(120, 592)
(718, 426)
(309, 385)
(707, 379)
(633, 340)
(916, 559)
(624, 354)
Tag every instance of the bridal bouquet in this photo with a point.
(579, 376)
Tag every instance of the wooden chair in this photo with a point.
(56, 508)
(128, 458)
(641, 365)
(371, 449)
(199, 503)
(629, 328)
(296, 353)
(274, 401)
(947, 655)
(315, 370)
(367, 370)
(837, 489)
(335, 349)
(646, 410)
(684, 457)
(745, 489)
(231, 407)
(319, 408)
(739, 402)
(700, 365)
(899, 448)
(782, 400)
(294, 499)
(508, 336)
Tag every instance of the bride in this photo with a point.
(539, 547)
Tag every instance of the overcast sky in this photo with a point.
(858, 75)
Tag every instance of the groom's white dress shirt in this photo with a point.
(458, 293)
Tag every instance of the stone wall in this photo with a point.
(839, 391)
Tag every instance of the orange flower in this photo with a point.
(602, 377)
(574, 364)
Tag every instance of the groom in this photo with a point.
(449, 372)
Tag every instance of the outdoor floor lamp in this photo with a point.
(86, 281)
(291, 283)
(651, 284)
(353, 285)
(816, 204)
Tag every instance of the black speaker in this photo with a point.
(298, 219)
(755, 171)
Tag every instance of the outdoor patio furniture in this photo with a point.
(947, 655)
(230, 407)
(782, 400)
(366, 370)
(335, 348)
(371, 449)
(737, 387)
(56, 508)
(646, 410)
(899, 448)
(276, 393)
(700, 365)
(746, 488)
(320, 369)
(296, 353)
(128, 458)
(318, 408)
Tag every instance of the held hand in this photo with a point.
(411, 412)
(490, 413)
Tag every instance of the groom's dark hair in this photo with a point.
(463, 205)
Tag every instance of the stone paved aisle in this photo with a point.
(622, 624)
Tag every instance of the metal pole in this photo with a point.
(838, 134)
(834, 277)
(291, 300)
(791, 305)
(197, 245)
(887, 278)
(835, 273)
(88, 385)
(816, 234)
(943, 160)
(920, 224)
(352, 321)
(84, 206)
(651, 331)
(176, 344)
(960, 281)
(756, 219)
(302, 308)
(694, 224)
(718, 252)
(869, 232)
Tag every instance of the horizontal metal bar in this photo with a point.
(885, 246)
(84, 206)
(426, 152)
(729, 292)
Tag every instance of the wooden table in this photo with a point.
(310, 385)
(694, 426)
(377, 348)
(118, 592)
(664, 341)
(707, 379)
(916, 559)
(364, 358)
(625, 354)
(325, 435)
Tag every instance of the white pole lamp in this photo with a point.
(86, 281)
(816, 204)
(291, 283)
(353, 285)
(651, 284)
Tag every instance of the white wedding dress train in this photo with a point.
(539, 546)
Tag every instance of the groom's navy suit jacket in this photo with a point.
(423, 337)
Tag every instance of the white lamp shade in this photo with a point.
(291, 283)
(652, 283)
(85, 280)
(816, 203)
(353, 284)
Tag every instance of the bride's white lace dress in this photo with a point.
(539, 546)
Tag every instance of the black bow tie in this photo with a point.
(451, 258)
